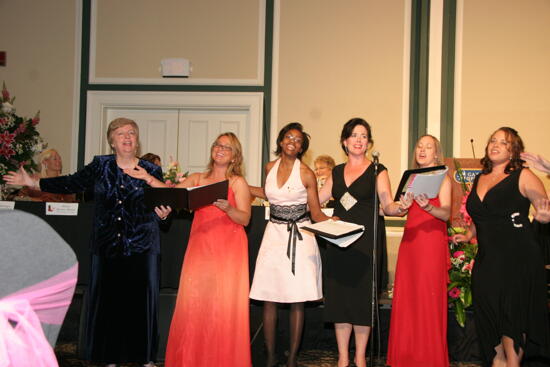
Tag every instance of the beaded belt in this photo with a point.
(291, 215)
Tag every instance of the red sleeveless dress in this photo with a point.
(418, 328)
(210, 326)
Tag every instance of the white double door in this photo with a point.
(185, 135)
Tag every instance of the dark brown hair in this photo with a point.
(516, 148)
(347, 130)
(150, 157)
(293, 126)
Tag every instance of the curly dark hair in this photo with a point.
(516, 148)
(347, 130)
(293, 126)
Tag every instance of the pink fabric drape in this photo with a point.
(22, 340)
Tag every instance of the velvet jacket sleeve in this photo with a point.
(122, 224)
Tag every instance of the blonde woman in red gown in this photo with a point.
(210, 325)
(418, 328)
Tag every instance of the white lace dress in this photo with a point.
(274, 278)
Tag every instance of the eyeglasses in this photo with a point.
(225, 148)
(293, 138)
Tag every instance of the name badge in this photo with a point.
(61, 208)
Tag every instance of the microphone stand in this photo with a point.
(374, 302)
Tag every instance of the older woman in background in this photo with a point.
(50, 166)
(122, 321)
(151, 157)
(323, 169)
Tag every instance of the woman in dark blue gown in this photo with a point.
(121, 323)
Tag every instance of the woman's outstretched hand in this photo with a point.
(542, 207)
(536, 161)
(138, 172)
(20, 177)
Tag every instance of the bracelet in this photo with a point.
(430, 209)
(164, 218)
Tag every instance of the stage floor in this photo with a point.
(318, 344)
(67, 357)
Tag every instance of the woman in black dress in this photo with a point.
(508, 282)
(348, 288)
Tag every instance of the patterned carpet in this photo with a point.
(67, 357)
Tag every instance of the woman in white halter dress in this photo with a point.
(273, 278)
(288, 266)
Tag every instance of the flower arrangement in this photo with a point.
(173, 174)
(19, 139)
(460, 275)
(462, 257)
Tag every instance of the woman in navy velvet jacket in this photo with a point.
(123, 294)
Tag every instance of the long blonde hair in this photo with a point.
(236, 166)
(46, 154)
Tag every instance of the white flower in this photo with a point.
(7, 108)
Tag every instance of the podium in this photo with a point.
(470, 168)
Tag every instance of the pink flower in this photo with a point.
(5, 93)
(20, 129)
(459, 255)
(36, 119)
(463, 212)
(468, 267)
(6, 151)
(454, 293)
(170, 183)
(7, 138)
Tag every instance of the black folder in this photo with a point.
(190, 198)
(407, 175)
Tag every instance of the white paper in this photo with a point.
(427, 183)
(344, 241)
(329, 212)
(7, 205)
(335, 227)
(61, 208)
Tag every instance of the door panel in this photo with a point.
(157, 131)
(198, 129)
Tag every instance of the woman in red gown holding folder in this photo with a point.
(210, 326)
(418, 328)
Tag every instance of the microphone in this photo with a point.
(375, 155)
(472, 144)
